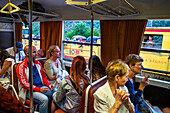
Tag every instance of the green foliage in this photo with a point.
(157, 39)
(83, 28)
(36, 28)
(158, 23)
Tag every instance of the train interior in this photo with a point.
(158, 92)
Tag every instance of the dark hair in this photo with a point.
(4, 55)
(10, 104)
(116, 68)
(77, 72)
(132, 59)
(97, 67)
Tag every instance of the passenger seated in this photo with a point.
(5, 72)
(10, 104)
(3, 55)
(98, 70)
(40, 54)
(53, 67)
(135, 64)
(20, 55)
(113, 96)
(70, 89)
(42, 89)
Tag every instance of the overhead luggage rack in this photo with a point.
(121, 9)
(42, 14)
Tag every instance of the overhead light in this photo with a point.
(83, 2)
(10, 6)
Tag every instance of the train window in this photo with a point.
(152, 41)
(155, 50)
(35, 35)
(77, 38)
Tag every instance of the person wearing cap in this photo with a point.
(20, 55)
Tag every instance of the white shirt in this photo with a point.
(6, 81)
(104, 100)
(21, 53)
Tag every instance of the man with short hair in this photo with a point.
(42, 89)
(135, 64)
(19, 51)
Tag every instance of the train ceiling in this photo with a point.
(47, 10)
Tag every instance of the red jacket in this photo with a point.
(23, 75)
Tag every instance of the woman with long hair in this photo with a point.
(98, 70)
(53, 66)
(69, 92)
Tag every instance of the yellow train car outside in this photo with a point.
(153, 59)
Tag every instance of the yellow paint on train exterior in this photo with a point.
(157, 60)
(72, 50)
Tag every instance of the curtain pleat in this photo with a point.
(119, 38)
(18, 32)
(51, 34)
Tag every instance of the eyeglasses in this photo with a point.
(57, 51)
(139, 65)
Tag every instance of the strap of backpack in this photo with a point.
(74, 85)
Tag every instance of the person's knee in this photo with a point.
(45, 100)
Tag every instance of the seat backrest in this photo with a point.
(42, 61)
(88, 95)
(15, 84)
(15, 78)
(82, 102)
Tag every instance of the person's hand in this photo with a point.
(121, 95)
(44, 89)
(51, 87)
(125, 95)
(144, 82)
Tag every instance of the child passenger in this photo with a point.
(69, 91)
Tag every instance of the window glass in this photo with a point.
(152, 41)
(35, 35)
(77, 38)
(155, 49)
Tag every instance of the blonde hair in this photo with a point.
(51, 49)
(116, 68)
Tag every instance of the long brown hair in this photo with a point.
(77, 72)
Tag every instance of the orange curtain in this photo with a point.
(119, 38)
(51, 34)
(18, 32)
